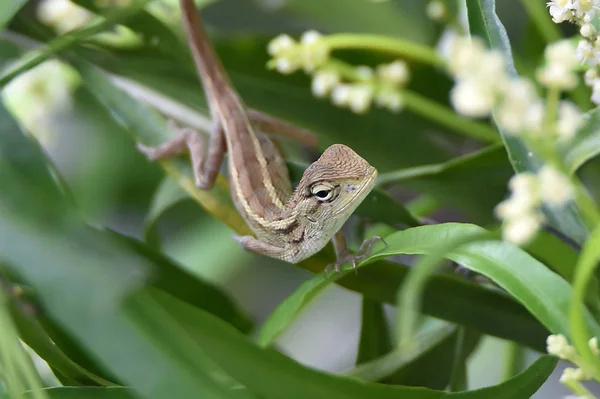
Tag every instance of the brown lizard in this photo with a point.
(290, 226)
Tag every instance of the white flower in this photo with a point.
(281, 45)
(286, 65)
(555, 188)
(390, 99)
(323, 82)
(523, 229)
(63, 15)
(586, 53)
(593, 344)
(364, 72)
(587, 30)
(571, 374)
(523, 182)
(360, 98)
(534, 118)
(341, 95)
(315, 51)
(472, 99)
(596, 92)
(396, 73)
(570, 120)
(590, 77)
(561, 52)
(560, 10)
(556, 76)
(557, 345)
(464, 56)
(519, 94)
(436, 10)
(561, 59)
(584, 8)
(310, 37)
(516, 205)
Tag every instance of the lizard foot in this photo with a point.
(363, 253)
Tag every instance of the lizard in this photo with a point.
(289, 225)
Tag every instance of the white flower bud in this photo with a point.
(280, 45)
(555, 188)
(472, 99)
(323, 82)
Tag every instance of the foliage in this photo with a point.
(122, 277)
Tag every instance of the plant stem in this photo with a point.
(444, 116)
(395, 46)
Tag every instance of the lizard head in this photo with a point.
(332, 188)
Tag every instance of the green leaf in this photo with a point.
(33, 331)
(168, 194)
(83, 393)
(63, 259)
(484, 22)
(11, 7)
(581, 331)
(545, 294)
(452, 182)
(585, 145)
(374, 338)
(171, 278)
(433, 333)
(288, 310)
(272, 375)
(404, 19)
(70, 39)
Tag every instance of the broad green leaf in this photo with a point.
(66, 258)
(484, 22)
(11, 7)
(171, 278)
(272, 375)
(33, 332)
(544, 293)
(83, 393)
(69, 262)
(585, 145)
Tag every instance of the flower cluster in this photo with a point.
(558, 346)
(521, 211)
(289, 55)
(356, 88)
(483, 85)
(582, 13)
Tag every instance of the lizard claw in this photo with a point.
(363, 253)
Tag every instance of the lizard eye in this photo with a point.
(323, 192)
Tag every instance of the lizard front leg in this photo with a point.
(205, 164)
(343, 255)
